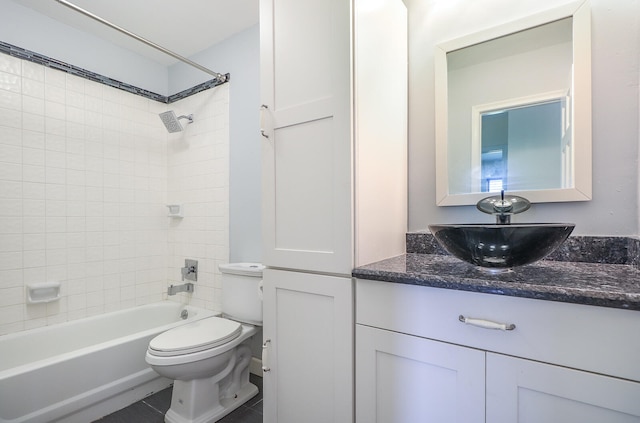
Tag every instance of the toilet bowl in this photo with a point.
(209, 358)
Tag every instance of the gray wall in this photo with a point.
(615, 76)
(26, 28)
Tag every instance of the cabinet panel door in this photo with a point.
(406, 379)
(308, 320)
(525, 391)
(307, 151)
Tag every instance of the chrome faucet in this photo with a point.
(185, 287)
(190, 272)
(503, 207)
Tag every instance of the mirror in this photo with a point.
(513, 110)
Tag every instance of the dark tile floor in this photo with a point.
(152, 409)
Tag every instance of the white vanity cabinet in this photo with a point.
(416, 361)
(334, 193)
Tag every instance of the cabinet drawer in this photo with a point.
(596, 339)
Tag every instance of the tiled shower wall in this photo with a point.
(86, 171)
(198, 179)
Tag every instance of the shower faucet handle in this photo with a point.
(190, 270)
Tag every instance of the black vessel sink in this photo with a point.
(501, 247)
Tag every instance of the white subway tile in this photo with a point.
(55, 78)
(10, 135)
(56, 257)
(55, 126)
(33, 156)
(33, 105)
(75, 132)
(10, 189)
(10, 207)
(32, 71)
(11, 260)
(76, 83)
(11, 172)
(57, 273)
(34, 174)
(34, 208)
(10, 118)
(34, 89)
(56, 224)
(55, 159)
(54, 175)
(55, 142)
(55, 191)
(10, 82)
(33, 122)
(33, 139)
(11, 314)
(33, 225)
(36, 241)
(34, 259)
(11, 100)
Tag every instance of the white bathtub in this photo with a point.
(82, 370)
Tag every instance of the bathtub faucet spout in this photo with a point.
(185, 287)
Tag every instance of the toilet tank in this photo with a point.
(242, 292)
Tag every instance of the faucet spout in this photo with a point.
(503, 207)
(185, 287)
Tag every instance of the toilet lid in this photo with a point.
(197, 336)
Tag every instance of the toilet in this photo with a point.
(209, 358)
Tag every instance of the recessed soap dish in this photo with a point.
(176, 210)
(43, 292)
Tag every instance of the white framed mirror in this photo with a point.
(513, 110)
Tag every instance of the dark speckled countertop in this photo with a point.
(598, 284)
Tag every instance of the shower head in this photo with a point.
(172, 122)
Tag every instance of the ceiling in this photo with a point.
(185, 27)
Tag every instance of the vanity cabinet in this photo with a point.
(334, 193)
(416, 361)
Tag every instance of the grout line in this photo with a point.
(152, 407)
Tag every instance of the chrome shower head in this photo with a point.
(172, 122)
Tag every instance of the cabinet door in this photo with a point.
(406, 379)
(308, 333)
(306, 115)
(525, 391)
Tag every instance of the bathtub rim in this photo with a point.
(33, 365)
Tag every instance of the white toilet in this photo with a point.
(209, 358)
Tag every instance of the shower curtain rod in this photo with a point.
(220, 77)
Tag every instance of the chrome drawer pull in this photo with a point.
(486, 324)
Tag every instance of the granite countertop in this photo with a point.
(597, 284)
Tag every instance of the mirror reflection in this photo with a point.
(506, 117)
(523, 147)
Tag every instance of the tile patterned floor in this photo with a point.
(152, 409)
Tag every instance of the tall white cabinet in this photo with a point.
(333, 119)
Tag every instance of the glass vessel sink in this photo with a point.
(500, 247)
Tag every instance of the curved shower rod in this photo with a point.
(220, 77)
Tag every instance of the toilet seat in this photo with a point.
(194, 337)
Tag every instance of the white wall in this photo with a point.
(615, 46)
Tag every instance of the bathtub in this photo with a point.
(82, 370)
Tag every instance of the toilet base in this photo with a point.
(217, 411)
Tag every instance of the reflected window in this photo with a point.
(521, 147)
